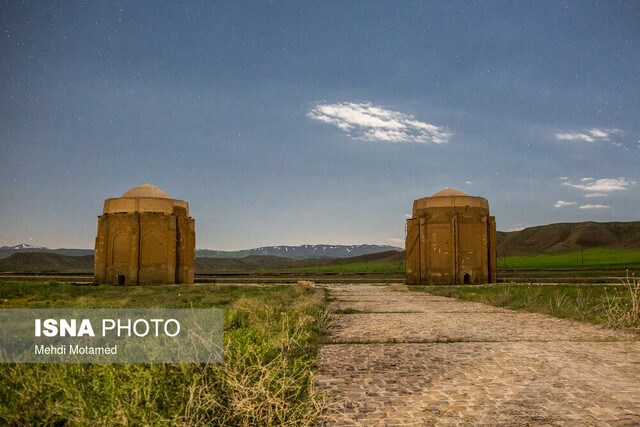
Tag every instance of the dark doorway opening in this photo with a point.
(467, 278)
(121, 279)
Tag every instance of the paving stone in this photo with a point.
(503, 368)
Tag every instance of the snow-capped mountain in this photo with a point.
(21, 246)
(302, 251)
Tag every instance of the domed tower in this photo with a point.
(451, 239)
(145, 237)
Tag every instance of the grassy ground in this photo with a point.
(271, 336)
(589, 259)
(603, 275)
(359, 267)
(615, 306)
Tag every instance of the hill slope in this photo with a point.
(569, 237)
(46, 262)
(7, 251)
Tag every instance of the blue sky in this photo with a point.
(316, 122)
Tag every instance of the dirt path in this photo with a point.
(418, 359)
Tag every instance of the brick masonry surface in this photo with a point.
(420, 359)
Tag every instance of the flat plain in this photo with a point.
(353, 354)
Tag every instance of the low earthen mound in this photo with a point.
(569, 237)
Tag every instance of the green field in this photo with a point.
(588, 259)
(271, 335)
(591, 262)
(354, 268)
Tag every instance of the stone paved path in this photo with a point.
(420, 359)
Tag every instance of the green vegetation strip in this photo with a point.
(271, 338)
(591, 258)
(356, 267)
(614, 306)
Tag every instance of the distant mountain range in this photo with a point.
(22, 246)
(295, 252)
(301, 252)
(47, 262)
(6, 251)
(569, 237)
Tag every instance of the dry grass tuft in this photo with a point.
(261, 392)
(398, 287)
(307, 283)
(501, 298)
(625, 313)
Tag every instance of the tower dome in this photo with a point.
(146, 190)
(448, 198)
(447, 192)
(145, 198)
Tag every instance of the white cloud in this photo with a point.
(573, 136)
(595, 195)
(603, 185)
(601, 134)
(469, 182)
(589, 135)
(372, 123)
(594, 207)
(516, 228)
(408, 216)
(397, 241)
(562, 203)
